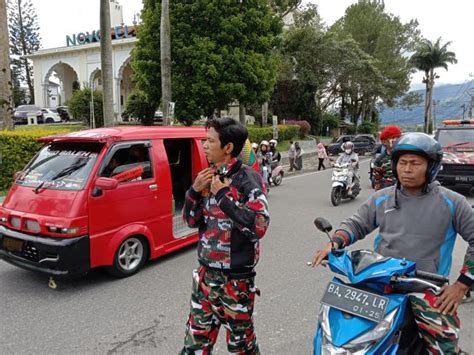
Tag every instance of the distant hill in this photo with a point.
(451, 97)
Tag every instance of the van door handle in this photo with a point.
(153, 187)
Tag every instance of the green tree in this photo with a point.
(165, 50)
(80, 106)
(429, 56)
(24, 40)
(222, 52)
(385, 39)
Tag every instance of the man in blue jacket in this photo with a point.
(419, 220)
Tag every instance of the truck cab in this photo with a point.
(457, 140)
(109, 197)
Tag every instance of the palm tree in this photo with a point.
(165, 51)
(106, 63)
(427, 58)
(5, 75)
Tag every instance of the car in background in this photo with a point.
(20, 115)
(363, 143)
(51, 115)
(457, 140)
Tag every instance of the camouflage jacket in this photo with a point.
(231, 222)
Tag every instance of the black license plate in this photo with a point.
(14, 245)
(464, 178)
(355, 301)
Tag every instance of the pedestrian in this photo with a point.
(419, 220)
(291, 155)
(226, 202)
(321, 156)
(298, 156)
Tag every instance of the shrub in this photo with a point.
(285, 132)
(305, 127)
(367, 127)
(139, 106)
(79, 106)
(17, 148)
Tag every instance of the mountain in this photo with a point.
(448, 98)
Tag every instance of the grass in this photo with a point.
(50, 127)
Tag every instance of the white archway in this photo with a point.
(63, 74)
(125, 83)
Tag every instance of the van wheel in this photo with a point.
(129, 257)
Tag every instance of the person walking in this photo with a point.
(298, 156)
(291, 155)
(321, 156)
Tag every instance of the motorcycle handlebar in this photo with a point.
(431, 277)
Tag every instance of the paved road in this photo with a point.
(146, 313)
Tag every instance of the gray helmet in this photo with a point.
(419, 144)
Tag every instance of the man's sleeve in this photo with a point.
(464, 224)
(251, 215)
(357, 226)
(193, 208)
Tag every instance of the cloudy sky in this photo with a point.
(451, 20)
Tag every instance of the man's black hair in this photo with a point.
(230, 131)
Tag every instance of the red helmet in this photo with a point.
(390, 132)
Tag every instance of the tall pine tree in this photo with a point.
(24, 40)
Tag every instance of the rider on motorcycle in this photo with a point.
(418, 220)
(276, 156)
(349, 157)
(383, 173)
(265, 160)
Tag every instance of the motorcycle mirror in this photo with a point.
(323, 224)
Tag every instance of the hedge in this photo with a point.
(17, 148)
(285, 132)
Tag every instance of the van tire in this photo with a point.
(129, 257)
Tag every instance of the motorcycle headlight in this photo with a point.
(365, 340)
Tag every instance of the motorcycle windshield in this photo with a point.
(362, 259)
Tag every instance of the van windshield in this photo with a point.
(455, 137)
(61, 166)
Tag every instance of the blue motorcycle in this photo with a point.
(368, 310)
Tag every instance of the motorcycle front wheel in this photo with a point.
(278, 179)
(336, 195)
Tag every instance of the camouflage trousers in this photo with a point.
(439, 332)
(218, 299)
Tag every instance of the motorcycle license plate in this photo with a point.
(355, 301)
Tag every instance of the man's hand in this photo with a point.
(320, 255)
(450, 297)
(203, 179)
(217, 184)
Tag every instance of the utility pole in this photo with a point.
(435, 103)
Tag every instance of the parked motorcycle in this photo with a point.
(341, 183)
(369, 311)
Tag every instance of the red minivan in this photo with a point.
(105, 197)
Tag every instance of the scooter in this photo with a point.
(341, 184)
(368, 312)
(277, 174)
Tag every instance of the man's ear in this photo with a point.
(229, 147)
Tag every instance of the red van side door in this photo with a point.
(136, 206)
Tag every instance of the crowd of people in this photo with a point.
(228, 203)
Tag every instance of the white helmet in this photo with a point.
(265, 143)
(274, 142)
(348, 145)
(254, 145)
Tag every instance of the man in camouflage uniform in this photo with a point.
(228, 205)
(418, 220)
(383, 173)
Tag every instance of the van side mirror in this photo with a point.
(104, 183)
